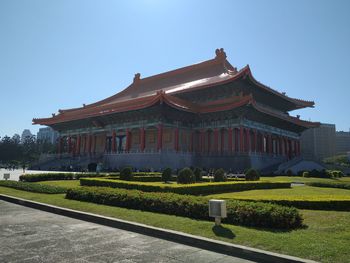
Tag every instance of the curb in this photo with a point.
(170, 235)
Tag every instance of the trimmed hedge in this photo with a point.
(30, 187)
(330, 184)
(166, 175)
(241, 213)
(219, 175)
(331, 205)
(192, 189)
(57, 176)
(252, 175)
(126, 174)
(186, 176)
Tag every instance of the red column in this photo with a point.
(237, 149)
(114, 135)
(142, 139)
(280, 151)
(75, 146)
(176, 139)
(229, 140)
(192, 142)
(127, 143)
(209, 144)
(59, 145)
(69, 144)
(222, 141)
(94, 139)
(255, 140)
(241, 145)
(202, 141)
(270, 144)
(160, 137)
(78, 144)
(216, 140)
(298, 147)
(84, 144)
(248, 146)
(89, 143)
(105, 143)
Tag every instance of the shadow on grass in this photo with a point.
(221, 231)
(278, 230)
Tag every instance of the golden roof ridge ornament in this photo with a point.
(220, 54)
(137, 78)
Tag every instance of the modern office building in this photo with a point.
(47, 135)
(342, 142)
(26, 133)
(318, 143)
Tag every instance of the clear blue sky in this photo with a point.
(61, 54)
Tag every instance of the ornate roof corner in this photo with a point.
(220, 54)
(53, 114)
(137, 78)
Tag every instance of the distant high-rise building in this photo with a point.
(47, 134)
(26, 133)
(342, 142)
(318, 143)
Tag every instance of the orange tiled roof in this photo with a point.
(144, 92)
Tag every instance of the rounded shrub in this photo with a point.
(219, 175)
(126, 174)
(186, 176)
(198, 174)
(252, 175)
(166, 175)
(306, 174)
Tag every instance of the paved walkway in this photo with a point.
(15, 174)
(30, 235)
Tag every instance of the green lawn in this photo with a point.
(326, 238)
(302, 179)
(294, 193)
(62, 183)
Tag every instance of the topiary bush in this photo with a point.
(252, 175)
(198, 174)
(186, 176)
(219, 175)
(166, 175)
(306, 174)
(126, 174)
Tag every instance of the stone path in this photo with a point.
(29, 235)
(15, 174)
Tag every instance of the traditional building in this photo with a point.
(208, 114)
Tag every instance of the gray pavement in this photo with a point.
(30, 235)
(15, 174)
